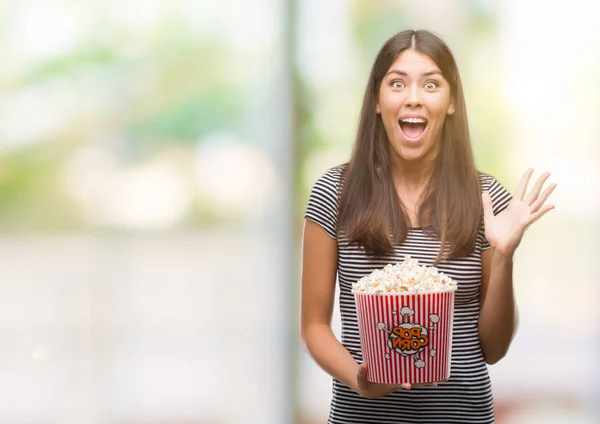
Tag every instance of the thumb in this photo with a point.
(487, 203)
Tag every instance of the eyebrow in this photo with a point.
(424, 74)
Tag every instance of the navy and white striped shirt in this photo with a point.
(467, 396)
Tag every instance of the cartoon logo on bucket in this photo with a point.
(410, 338)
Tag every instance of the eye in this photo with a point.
(431, 85)
(398, 84)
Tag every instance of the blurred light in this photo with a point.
(571, 196)
(236, 178)
(242, 25)
(40, 353)
(539, 101)
(153, 195)
(89, 173)
(36, 112)
(203, 21)
(43, 30)
(136, 14)
(326, 52)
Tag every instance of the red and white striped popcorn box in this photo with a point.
(406, 337)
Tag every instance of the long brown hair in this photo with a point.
(370, 211)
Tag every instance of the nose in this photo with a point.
(414, 97)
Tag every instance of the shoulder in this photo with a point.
(486, 181)
(334, 175)
(499, 194)
(490, 184)
(323, 201)
(330, 181)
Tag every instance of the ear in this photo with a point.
(450, 110)
(377, 109)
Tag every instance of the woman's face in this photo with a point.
(414, 100)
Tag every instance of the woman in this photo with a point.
(411, 187)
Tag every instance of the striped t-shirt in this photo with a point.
(467, 396)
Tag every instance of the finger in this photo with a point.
(540, 213)
(406, 386)
(520, 191)
(537, 188)
(542, 198)
(486, 200)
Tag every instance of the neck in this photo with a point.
(412, 176)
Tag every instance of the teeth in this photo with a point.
(414, 120)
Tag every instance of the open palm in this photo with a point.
(505, 230)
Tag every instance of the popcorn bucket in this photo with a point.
(406, 337)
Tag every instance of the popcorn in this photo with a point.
(407, 276)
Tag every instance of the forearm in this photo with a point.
(498, 317)
(329, 354)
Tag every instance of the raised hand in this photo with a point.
(505, 230)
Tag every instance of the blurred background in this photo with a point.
(155, 162)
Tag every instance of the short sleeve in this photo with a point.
(501, 198)
(323, 202)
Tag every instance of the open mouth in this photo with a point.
(413, 128)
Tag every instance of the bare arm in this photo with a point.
(498, 316)
(319, 268)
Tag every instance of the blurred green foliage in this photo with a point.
(172, 88)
